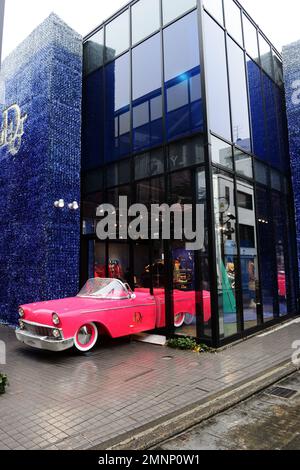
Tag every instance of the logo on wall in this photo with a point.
(12, 129)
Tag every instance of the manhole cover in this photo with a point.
(282, 392)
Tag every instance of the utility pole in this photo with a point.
(2, 8)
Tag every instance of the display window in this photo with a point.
(226, 252)
(248, 254)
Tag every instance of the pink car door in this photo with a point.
(143, 313)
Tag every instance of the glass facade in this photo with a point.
(184, 105)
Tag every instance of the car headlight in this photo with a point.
(56, 333)
(55, 319)
(21, 312)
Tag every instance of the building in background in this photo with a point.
(183, 101)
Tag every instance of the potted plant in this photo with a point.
(3, 383)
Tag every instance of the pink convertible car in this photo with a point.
(102, 307)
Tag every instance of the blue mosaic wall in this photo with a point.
(39, 244)
(291, 68)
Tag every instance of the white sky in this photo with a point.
(279, 20)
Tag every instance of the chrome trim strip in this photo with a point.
(39, 324)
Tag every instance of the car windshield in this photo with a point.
(105, 289)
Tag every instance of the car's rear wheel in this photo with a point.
(179, 320)
(86, 337)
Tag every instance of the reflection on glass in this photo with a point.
(117, 36)
(280, 248)
(215, 7)
(248, 253)
(149, 9)
(233, 20)
(185, 153)
(147, 94)
(243, 163)
(266, 58)
(266, 254)
(92, 117)
(99, 261)
(239, 96)
(226, 251)
(250, 36)
(89, 205)
(260, 146)
(118, 262)
(274, 157)
(93, 52)
(203, 296)
(149, 164)
(221, 152)
(217, 82)
(278, 71)
(182, 77)
(117, 109)
(175, 8)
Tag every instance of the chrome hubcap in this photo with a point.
(84, 336)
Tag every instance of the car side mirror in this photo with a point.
(132, 296)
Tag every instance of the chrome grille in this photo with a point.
(38, 330)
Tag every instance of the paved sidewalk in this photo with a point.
(66, 401)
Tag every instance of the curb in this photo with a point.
(185, 418)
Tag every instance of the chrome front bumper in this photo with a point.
(43, 342)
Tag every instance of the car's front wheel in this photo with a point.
(86, 337)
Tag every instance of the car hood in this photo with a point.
(42, 311)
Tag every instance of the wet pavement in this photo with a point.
(263, 422)
(66, 401)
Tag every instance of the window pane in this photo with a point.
(271, 121)
(233, 20)
(92, 116)
(278, 72)
(93, 52)
(266, 253)
(221, 152)
(248, 254)
(147, 94)
(260, 147)
(265, 55)
(239, 97)
(226, 252)
(250, 36)
(186, 153)
(117, 36)
(149, 9)
(261, 173)
(182, 74)
(281, 251)
(215, 7)
(243, 163)
(217, 83)
(174, 8)
(117, 114)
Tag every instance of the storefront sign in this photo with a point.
(12, 129)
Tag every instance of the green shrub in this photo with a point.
(3, 383)
(187, 344)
